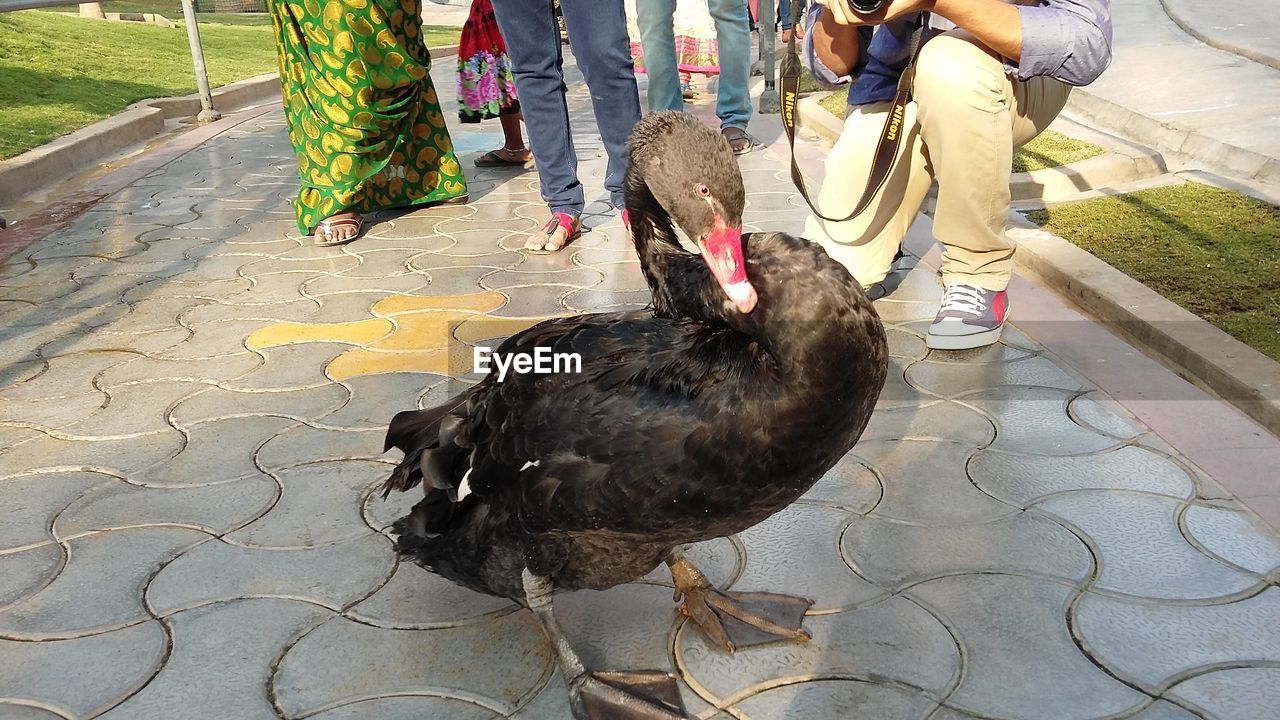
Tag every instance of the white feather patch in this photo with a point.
(464, 489)
(528, 465)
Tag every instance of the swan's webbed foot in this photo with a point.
(646, 695)
(740, 619)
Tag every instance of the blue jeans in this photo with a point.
(657, 34)
(598, 36)
(784, 14)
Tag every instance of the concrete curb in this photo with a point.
(1213, 154)
(1194, 349)
(137, 124)
(1218, 42)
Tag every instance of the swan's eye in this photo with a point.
(703, 190)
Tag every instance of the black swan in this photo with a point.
(753, 373)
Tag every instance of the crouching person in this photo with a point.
(990, 76)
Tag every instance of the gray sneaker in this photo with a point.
(970, 317)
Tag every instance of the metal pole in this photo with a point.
(207, 113)
(769, 101)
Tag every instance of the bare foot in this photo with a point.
(557, 233)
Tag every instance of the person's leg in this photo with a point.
(733, 100)
(784, 19)
(867, 244)
(513, 148)
(657, 35)
(533, 43)
(970, 120)
(964, 101)
(599, 32)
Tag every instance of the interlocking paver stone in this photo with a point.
(81, 601)
(221, 655)
(850, 485)
(214, 508)
(25, 572)
(955, 379)
(343, 660)
(215, 403)
(896, 554)
(215, 452)
(27, 503)
(1233, 694)
(944, 420)
(134, 409)
(1022, 479)
(925, 482)
(1143, 553)
(1099, 413)
(1020, 660)
(320, 505)
(1154, 642)
(1234, 536)
(122, 456)
(306, 444)
(82, 677)
(824, 698)
(1034, 421)
(416, 600)
(329, 575)
(894, 640)
(808, 532)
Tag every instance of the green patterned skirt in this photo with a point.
(362, 112)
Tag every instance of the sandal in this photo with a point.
(740, 141)
(325, 235)
(494, 159)
(570, 224)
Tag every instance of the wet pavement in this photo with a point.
(192, 407)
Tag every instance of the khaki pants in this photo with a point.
(966, 119)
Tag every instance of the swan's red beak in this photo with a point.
(722, 251)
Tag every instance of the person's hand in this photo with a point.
(841, 14)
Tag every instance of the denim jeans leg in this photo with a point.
(533, 42)
(657, 34)
(598, 38)
(784, 14)
(733, 100)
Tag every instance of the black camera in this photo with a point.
(866, 7)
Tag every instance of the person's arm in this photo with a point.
(834, 43)
(1068, 40)
(994, 23)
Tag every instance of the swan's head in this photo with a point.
(691, 171)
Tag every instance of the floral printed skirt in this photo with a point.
(364, 120)
(486, 86)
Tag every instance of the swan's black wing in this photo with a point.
(592, 450)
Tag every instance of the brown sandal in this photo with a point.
(740, 141)
(324, 232)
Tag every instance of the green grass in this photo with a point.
(172, 10)
(835, 103)
(60, 73)
(1214, 252)
(1052, 149)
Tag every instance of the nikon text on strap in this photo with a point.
(890, 138)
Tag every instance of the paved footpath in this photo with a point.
(192, 406)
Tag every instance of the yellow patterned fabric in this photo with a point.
(362, 112)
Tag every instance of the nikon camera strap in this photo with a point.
(890, 138)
